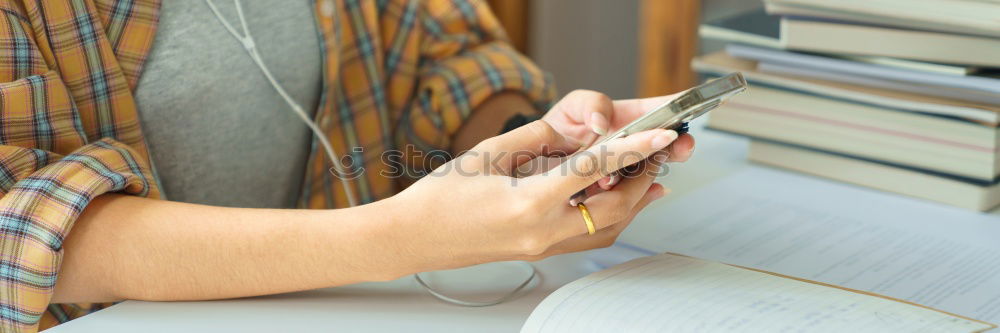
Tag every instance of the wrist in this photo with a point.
(417, 239)
(363, 234)
(399, 238)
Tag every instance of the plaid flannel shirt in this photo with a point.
(396, 73)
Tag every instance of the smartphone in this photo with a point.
(674, 114)
(690, 105)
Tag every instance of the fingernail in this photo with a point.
(691, 150)
(598, 124)
(664, 139)
(613, 180)
(661, 192)
(598, 130)
(660, 157)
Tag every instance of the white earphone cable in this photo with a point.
(250, 46)
(504, 298)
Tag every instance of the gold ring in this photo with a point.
(586, 218)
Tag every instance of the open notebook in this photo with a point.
(673, 293)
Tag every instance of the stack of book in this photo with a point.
(898, 95)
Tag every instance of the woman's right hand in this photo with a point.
(471, 210)
(468, 212)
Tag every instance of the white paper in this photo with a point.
(930, 254)
(669, 293)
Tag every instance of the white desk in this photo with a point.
(401, 305)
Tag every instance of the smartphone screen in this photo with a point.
(692, 104)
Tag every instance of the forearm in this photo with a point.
(125, 247)
(488, 119)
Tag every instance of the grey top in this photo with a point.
(218, 132)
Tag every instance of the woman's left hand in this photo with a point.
(584, 116)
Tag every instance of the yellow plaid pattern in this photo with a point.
(398, 73)
(403, 75)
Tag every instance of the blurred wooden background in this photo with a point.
(667, 40)
(516, 19)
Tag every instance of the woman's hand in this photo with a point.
(584, 116)
(472, 210)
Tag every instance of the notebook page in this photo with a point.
(908, 249)
(671, 293)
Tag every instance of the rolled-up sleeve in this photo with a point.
(42, 193)
(50, 168)
(465, 59)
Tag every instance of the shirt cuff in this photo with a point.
(43, 195)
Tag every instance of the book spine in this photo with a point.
(875, 175)
(874, 40)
